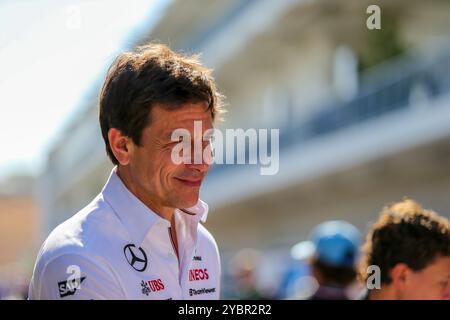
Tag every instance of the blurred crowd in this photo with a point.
(405, 255)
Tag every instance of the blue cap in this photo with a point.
(336, 243)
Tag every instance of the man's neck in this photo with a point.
(166, 213)
(386, 293)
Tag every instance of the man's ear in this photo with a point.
(121, 146)
(399, 275)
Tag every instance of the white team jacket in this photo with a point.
(117, 248)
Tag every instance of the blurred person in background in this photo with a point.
(141, 237)
(244, 268)
(333, 251)
(295, 280)
(13, 283)
(410, 246)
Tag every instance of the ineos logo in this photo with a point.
(136, 257)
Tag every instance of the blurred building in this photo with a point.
(19, 227)
(364, 115)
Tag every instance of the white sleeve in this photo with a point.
(74, 277)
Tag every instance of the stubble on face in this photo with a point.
(153, 176)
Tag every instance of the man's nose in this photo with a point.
(201, 159)
(202, 168)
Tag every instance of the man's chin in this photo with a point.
(187, 201)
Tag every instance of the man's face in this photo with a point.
(159, 180)
(430, 283)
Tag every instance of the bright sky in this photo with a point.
(51, 53)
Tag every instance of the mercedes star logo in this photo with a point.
(135, 257)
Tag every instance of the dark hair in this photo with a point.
(332, 275)
(152, 74)
(405, 233)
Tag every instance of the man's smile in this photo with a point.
(192, 182)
